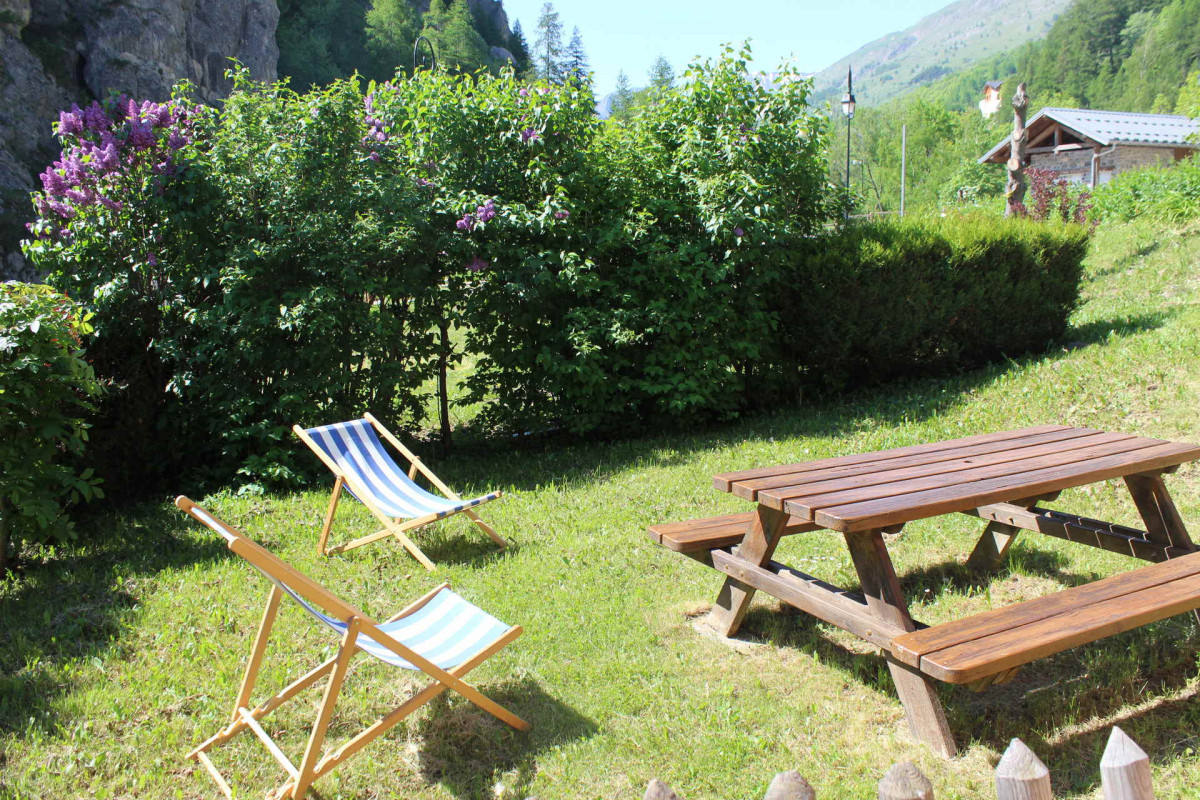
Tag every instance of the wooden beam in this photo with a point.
(1091, 532)
(810, 595)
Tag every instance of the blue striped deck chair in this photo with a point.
(441, 635)
(361, 464)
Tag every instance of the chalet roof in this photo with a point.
(993, 84)
(1108, 127)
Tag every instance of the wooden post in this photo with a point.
(766, 527)
(1014, 191)
(789, 786)
(905, 782)
(1125, 769)
(1021, 775)
(443, 387)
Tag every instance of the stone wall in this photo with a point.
(57, 52)
(1076, 165)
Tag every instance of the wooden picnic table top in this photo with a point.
(890, 487)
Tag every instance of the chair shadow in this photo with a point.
(466, 750)
(70, 604)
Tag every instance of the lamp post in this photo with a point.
(848, 111)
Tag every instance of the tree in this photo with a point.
(622, 98)
(547, 48)
(520, 50)
(662, 76)
(391, 29)
(458, 45)
(576, 68)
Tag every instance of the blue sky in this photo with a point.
(630, 34)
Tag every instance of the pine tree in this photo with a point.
(622, 97)
(391, 29)
(520, 50)
(458, 45)
(576, 67)
(662, 76)
(547, 49)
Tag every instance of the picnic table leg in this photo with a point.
(998, 537)
(922, 707)
(1157, 509)
(757, 547)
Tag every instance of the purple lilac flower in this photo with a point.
(152, 260)
(375, 157)
(487, 211)
(529, 134)
(96, 119)
(478, 264)
(543, 91)
(467, 223)
(562, 214)
(70, 122)
(738, 232)
(141, 135)
(524, 92)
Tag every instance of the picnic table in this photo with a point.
(1000, 478)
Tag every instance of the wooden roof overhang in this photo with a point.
(1046, 135)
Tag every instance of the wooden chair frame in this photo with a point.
(313, 764)
(395, 527)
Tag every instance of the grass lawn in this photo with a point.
(116, 658)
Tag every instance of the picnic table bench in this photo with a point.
(999, 477)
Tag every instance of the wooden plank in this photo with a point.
(808, 504)
(708, 534)
(810, 595)
(749, 489)
(946, 471)
(941, 637)
(1012, 647)
(922, 707)
(725, 480)
(1081, 530)
(918, 505)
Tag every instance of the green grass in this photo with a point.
(117, 657)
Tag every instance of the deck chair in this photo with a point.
(441, 635)
(360, 463)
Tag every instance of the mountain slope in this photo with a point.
(948, 40)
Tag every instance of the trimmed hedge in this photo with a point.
(883, 300)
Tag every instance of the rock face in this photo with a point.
(57, 52)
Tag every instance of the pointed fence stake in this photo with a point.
(1125, 769)
(789, 786)
(1021, 775)
(657, 790)
(905, 782)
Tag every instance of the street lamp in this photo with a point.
(848, 110)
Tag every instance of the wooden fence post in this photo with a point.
(789, 786)
(905, 782)
(1125, 769)
(1020, 775)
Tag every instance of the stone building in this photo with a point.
(1090, 146)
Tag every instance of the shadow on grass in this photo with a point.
(1099, 330)
(1062, 706)
(68, 603)
(467, 750)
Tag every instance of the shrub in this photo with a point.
(878, 301)
(46, 391)
(1051, 197)
(1165, 192)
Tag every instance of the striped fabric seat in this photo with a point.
(447, 630)
(356, 448)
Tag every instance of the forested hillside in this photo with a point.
(322, 40)
(1123, 55)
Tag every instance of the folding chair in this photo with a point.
(357, 458)
(441, 635)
